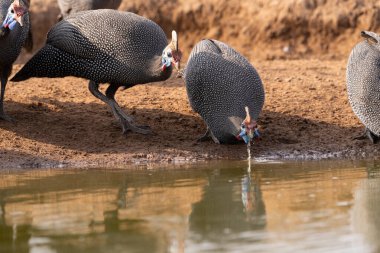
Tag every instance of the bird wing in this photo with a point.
(68, 38)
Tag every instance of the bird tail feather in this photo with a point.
(44, 64)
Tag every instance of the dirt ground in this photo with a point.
(306, 113)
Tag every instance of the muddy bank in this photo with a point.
(298, 47)
(59, 123)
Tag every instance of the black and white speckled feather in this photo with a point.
(68, 7)
(105, 46)
(363, 81)
(220, 83)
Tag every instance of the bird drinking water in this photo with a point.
(226, 91)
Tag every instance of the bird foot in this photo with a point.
(373, 138)
(128, 126)
(368, 134)
(145, 127)
(5, 117)
(205, 137)
(360, 137)
(208, 136)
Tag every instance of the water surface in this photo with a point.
(219, 207)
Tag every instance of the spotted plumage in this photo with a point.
(363, 83)
(68, 7)
(12, 38)
(104, 46)
(220, 83)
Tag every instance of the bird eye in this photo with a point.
(169, 54)
(12, 11)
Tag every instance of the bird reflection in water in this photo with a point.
(251, 198)
(232, 203)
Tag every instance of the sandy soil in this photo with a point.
(306, 113)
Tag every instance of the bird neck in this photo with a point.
(3, 31)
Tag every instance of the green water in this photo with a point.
(221, 207)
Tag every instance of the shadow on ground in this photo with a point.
(91, 127)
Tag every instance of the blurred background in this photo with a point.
(260, 29)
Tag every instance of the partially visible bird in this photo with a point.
(363, 83)
(106, 46)
(28, 45)
(14, 29)
(68, 7)
(220, 84)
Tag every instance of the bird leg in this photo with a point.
(208, 136)
(110, 94)
(368, 134)
(373, 138)
(130, 126)
(4, 80)
(126, 121)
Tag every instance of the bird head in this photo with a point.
(249, 129)
(15, 13)
(171, 54)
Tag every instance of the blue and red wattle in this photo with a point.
(10, 21)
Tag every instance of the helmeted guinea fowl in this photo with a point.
(220, 83)
(13, 32)
(68, 7)
(363, 83)
(106, 46)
